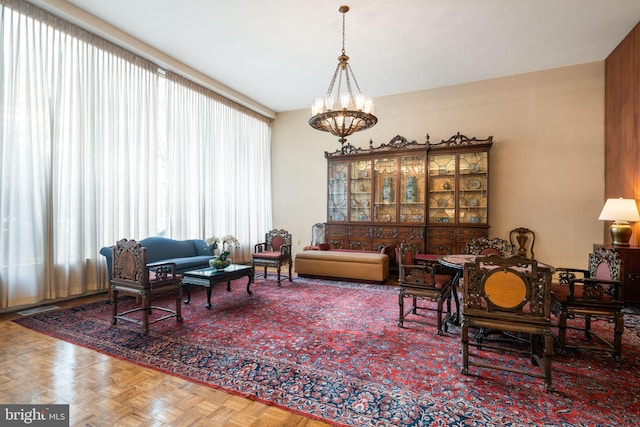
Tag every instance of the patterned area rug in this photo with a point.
(333, 351)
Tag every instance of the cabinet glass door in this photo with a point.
(412, 190)
(385, 175)
(337, 191)
(442, 188)
(473, 188)
(360, 204)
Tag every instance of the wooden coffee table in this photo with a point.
(208, 277)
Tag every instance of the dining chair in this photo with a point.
(317, 237)
(523, 241)
(422, 283)
(594, 293)
(130, 274)
(512, 295)
(486, 246)
(275, 252)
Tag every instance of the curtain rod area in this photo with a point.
(68, 12)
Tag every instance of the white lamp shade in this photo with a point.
(620, 210)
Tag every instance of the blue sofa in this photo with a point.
(187, 254)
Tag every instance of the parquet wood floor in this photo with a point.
(105, 391)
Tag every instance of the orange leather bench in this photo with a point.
(359, 266)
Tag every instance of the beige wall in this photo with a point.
(547, 164)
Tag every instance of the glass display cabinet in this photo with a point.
(458, 193)
(386, 172)
(360, 200)
(385, 188)
(473, 193)
(412, 189)
(458, 188)
(337, 191)
(435, 196)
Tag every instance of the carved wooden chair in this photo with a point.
(275, 252)
(523, 241)
(591, 294)
(485, 246)
(130, 274)
(421, 282)
(317, 237)
(511, 295)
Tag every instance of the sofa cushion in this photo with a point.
(202, 248)
(267, 255)
(162, 248)
(356, 257)
(189, 263)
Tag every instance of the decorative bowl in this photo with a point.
(474, 184)
(219, 264)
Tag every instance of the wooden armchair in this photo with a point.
(591, 294)
(512, 295)
(131, 274)
(275, 252)
(421, 282)
(495, 246)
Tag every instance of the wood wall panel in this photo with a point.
(622, 106)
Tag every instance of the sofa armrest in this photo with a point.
(107, 252)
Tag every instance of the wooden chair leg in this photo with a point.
(114, 306)
(562, 330)
(618, 329)
(440, 303)
(278, 268)
(587, 327)
(178, 302)
(464, 332)
(401, 306)
(533, 347)
(146, 307)
(548, 355)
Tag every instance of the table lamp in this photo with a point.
(620, 211)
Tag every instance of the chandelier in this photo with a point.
(353, 113)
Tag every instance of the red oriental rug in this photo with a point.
(333, 351)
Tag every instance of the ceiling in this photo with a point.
(282, 53)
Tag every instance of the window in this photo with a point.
(96, 145)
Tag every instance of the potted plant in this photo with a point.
(222, 261)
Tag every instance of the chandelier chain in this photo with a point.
(333, 81)
(353, 76)
(343, 27)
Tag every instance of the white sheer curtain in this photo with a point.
(219, 173)
(76, 120)
(95, 146)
